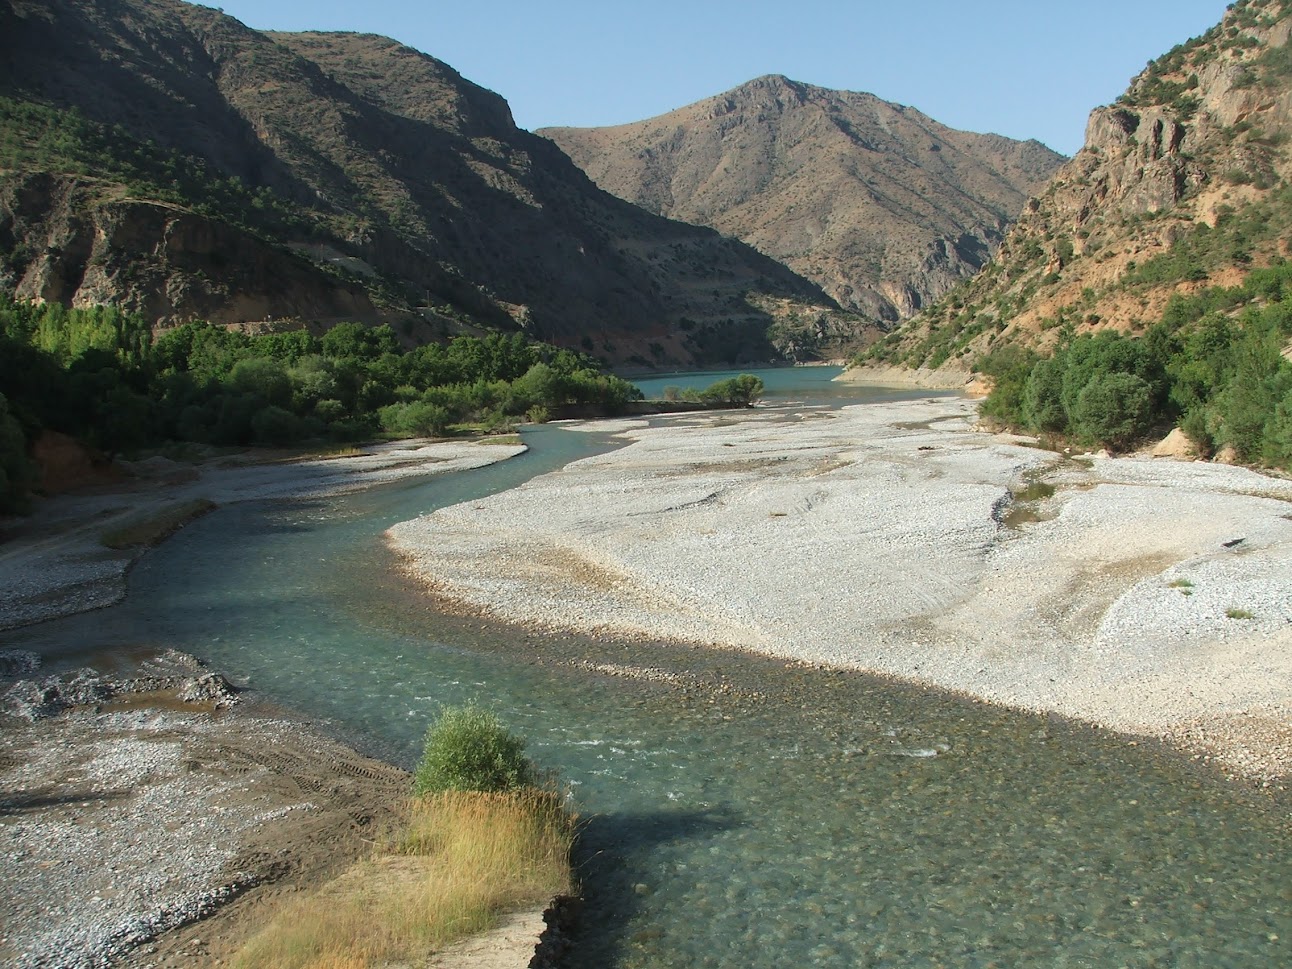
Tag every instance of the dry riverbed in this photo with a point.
(147, 818)
(1146, 596)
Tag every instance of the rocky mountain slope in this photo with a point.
(1182, 185)
(879, 204)
(165, 157)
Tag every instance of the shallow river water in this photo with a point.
(741, 812)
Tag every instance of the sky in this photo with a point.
(1022, 68)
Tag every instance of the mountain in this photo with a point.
(1182, 185)
(879, 204)
(165, 157)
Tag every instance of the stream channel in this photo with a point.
(741, 812)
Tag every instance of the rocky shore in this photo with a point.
(133, 806)
(1146, 596)
(152, 816)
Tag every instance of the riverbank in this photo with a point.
(54, 562)
(141, 829)
(921, 378)
(1148, 597)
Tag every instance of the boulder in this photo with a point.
(1176, 446)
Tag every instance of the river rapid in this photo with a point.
(741, 811)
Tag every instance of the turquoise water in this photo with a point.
(748, 813)
(781, 385)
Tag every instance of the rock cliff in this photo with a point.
(1181, 184)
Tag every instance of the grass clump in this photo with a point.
(478, 840)
(462, 859)
(1234, 613)
(152, 529)
(468, 749)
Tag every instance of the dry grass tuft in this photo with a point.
(462, 859)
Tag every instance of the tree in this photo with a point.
(1114, 409)
(1043, 397)
(739, 391)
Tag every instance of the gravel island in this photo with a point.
(1146, 596)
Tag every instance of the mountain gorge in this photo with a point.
(166, 158)
(1182, 186)
(883, 207)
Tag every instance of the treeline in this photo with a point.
(1213, 365)
(98, 375)
(738, 391)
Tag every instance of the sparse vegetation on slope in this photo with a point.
(1182, 183)
(164, 157)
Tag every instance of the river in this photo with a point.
(741, 812)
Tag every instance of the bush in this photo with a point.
(739, 391)
(1114, 409)
(468, 749)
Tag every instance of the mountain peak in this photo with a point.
(879, 204)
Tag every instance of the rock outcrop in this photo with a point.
(1181, 184)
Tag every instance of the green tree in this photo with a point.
(1114, 409)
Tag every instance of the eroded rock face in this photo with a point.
(1202, 132)
(159, 260)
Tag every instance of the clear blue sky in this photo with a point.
(1023, 68)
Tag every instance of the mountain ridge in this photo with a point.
(881, 205)
(374, 178)
(1181, 185)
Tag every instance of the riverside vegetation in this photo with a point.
(480, 839)
(99, 375)
(1147, 284)
(1212, 364)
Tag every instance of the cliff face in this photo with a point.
(166, 157)
(161, 260)
(1181, 184)
(883, 207)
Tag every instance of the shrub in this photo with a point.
(277, 426)
(468, 749)
(1114, 409)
